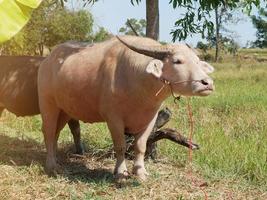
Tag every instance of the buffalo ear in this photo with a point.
(155, 68)
(207, 67)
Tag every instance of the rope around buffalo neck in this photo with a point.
(191, 130)
(165, 83)
(170, 84)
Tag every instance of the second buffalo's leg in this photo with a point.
(1, 110)
(74, 126)
(61, 122)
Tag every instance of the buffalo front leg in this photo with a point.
(140, 149)
(74, 126)
(117, 133)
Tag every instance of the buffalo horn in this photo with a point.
(157, 52)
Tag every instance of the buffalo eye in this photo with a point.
(177, 62)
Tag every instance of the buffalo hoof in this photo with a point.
(121, 178)
(79, 149)
(54, 170)
(140, 173)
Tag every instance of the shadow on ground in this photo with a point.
(25, 152)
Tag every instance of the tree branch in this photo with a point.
(130, 25)
(172, 135)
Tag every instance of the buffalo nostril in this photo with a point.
(204, 82)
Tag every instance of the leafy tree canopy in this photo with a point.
(101, 35)
(197, 15)
(197, 18)
(260, 23)
(138, 25)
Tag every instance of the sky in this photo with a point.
(112, 15)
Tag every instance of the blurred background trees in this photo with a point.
(260, 23)
(50, 25)
(139, 27)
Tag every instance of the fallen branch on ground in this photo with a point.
(157, 134)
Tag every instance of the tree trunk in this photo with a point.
(152, 19)
(217, 50)
(41, 49)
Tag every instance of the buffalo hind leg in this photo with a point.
(50, 117)
(74, 126)
(53, 121)
(116, 128)
(140, 149)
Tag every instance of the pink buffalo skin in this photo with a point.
(116, 82)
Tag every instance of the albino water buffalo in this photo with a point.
(18, 89)
(120, 82)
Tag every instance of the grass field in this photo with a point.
(230, 126)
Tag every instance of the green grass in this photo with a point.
(230, 126)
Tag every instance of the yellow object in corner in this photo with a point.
(14, 14)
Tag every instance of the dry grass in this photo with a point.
(90, 176)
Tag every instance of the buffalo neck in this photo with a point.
(141, 85)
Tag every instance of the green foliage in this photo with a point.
(232, 47)
(226, 43)
(66, 25)
(34, 34)
(86, 2)
(138, 25)
(260, 23)
(101, 35)
(197, 17)
(15, 46)
(203, 46)
(135, 1)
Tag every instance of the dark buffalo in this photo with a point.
(18, 90)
